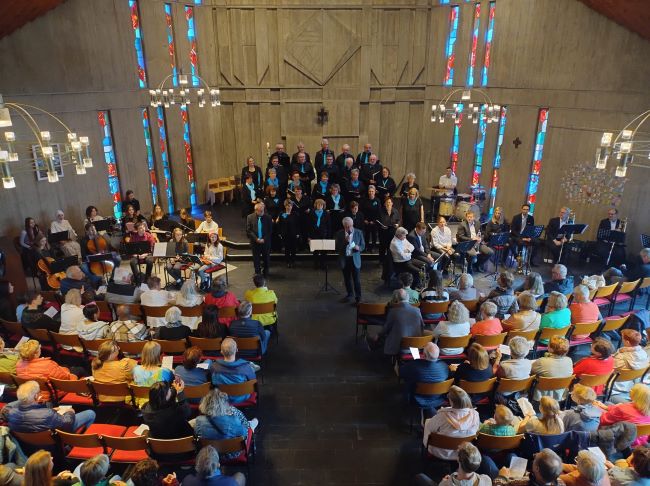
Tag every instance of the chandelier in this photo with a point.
(49, 155)
(167, 96)
(482, 109)
(624, 147)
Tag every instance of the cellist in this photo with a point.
(94, 243)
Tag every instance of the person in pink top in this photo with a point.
(582, 309)
(601, 362)
(637, 411)
(221, 297)
(489, 325)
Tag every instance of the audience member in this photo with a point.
(406, 280)
(501, 424)
(581, 308)
(210, 327)
(7, 308)
(402, 320)
(107, 367)
(545, 470)
(457, 324)
(503, 295)
(189, 296)
(125, 329)
(150, 371)
(588, 470)
(469, 460)
(549, 424)
(39, 469)
(534, 284)
(231, 370)
(466, 290)
(559, 281)
(166, 413)
(526, 318)
(489, 325)
(221, 297)
(71, 312)
(32, 366)
(584, 416)
(155, 297)
(518, 367)
(555, 364)
(75, 279)
(435, 291)
(262, 295)
(34, 316)
(188, 371)
(638, 472)
(94, 471)
(208, 471)
(429, 369)
(630, 356)
(245, 327)
(147, 473)
(557, 314)
(8, 361)
(477, 368)
(121, 289)
(91, 328)
(637, 411)
(601, 362)
(174, 329)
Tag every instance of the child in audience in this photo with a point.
(406, 279)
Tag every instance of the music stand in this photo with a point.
(645, 240)
(569, 230)
(497, 242)
(102, 224)
(62, 264)
(324, 246)
(189, 258)
(613, 237)
(532, 232)
(197, 237)
(58, 237)
(137, 247)
(462, 249)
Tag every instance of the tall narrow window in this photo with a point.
(480, 146)
(536, 165)
(489, 35)
(198, 2)
(455, 141)
(170, 42)
(164, 156)
(496, 164)
(137, 44)
(191, 38)
(187, 147)
(151, 163)
(111, 163)
(473, 45)
(451, 45)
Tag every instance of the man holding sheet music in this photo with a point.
(349, 243)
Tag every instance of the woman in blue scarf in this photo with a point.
(273, 205)
(320, 228)
(335, 205)
(322, 187)
(250, 195)
(412, 210)
(355, 188)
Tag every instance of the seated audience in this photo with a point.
(71, 312)
(262, 295)
(429, 369)
(582, 309)
(221, 297)
(534, 284)
(637, 411)
(587, 471)
(155, 297)
(8, 360)
(121, 289)
(458, 420)
(39, 469)
(75, 279)
(466, 290)
(91, 328)
(210, 327)
(107, 367)
(406, 280)
(599, 363)
(501, 424)
(29, 416)
(401, 252)
(174, 329)
(457, 324)
(545, 470)
(166, 413)
(125, 329)
(189, 296)
(188, 371)
(559, 281)
(584, 415)
(150, 371)
(503, 295)
(34, 316)
(32, 366)
(147, 472)
(557, 314)
(435, 291)
(208, 471)
(245, 327)
(489, 325)
(469, 460)
(94, 472)
(402, 320)
(526, 318)
(638, 472)
(231, 370)
(630, 356)
(554, 364)
(477, 368)
(550, 422)
(518, 367)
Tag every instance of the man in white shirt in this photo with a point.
(209, 225)
(402, 252)
(443, 242)
(155, 297)
(448, 181)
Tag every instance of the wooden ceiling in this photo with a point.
(632, 14)
(16, 13)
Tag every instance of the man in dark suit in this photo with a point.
(422, 250)
(259, 228)
(470, 230)
(554, 235)
(321, 156)
(349, 244)
(282, 156)
(301, 150)
(364, 157)
(345, 153)
(517, 226)
(603, 245)
(304, 168)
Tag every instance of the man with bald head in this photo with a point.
(345, 153)
(426, 370)
(301, 150)
(282, 155)
(321, 156)
(364, 157)
(304, 168)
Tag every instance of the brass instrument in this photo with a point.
(572, 220)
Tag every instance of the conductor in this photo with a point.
(349, 244)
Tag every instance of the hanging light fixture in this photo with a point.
(164, 94)
(489, 113)
(624, 147)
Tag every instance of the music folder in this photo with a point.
(62, 264)
(137, 247)
(58, 237)
(322, 245)
(102, 224)
(164, 250)
(188, 257)
(574, 229)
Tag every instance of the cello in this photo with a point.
(53, 279)
(99, 245)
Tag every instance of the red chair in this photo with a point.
(369, 315)
(626, 293)
(247, 388)
(73, 392)
(129, 448)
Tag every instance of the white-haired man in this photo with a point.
(426, 370)
(349, 244)
(402, 253)
(259, 229)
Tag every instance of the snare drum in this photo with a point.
(463, 207)
(446, 206)
(463, 198)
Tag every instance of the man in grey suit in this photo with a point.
(470, 229)
(349, 244)
(402, 320)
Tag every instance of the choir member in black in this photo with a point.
(305, 169)
(289, 222)
(603, 245)
(333, 172)
(321, 156)
(370, 207)
(389, 222)
(187, 220)
(301, 150)
(335, 204)
(250, 195)
(346, 172)
(130, 200)
(295, 182)
(408, 184)
(130, 219)
(158, 217)
(41, 251)
(273, 206)
(345, 153)
(370, 173)
(174, 265)
(357, 217)
(322, 188)
(518, 224)
(354, 188)
(282, 155)
(412, 210)
(386, 186)
(303, 208)
(319, 228)
(272, 180)
(280, 171)
(255, 172)
(364, 157)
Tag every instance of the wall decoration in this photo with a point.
(584, 185)
(450, 48)
(473, 45)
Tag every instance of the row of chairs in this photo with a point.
(609, 296)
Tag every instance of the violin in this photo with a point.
(53, 279)
(96, 246)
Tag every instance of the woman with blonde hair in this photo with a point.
(501, 424)
(637, 411)
(150, 371)
(534, 284)
(38, 470)
(33, 367)
(554, 364)
(108, 368)
(550, 423)
(526, 318)
(476, 368)
(585, 415)
(71, 312)
(457, 324)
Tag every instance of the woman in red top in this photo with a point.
(220, 297)
(489, 325)
(601, 362)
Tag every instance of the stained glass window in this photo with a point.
(164, 155)
(496, 164)
(473, 45)
(191, 38)
(489, 36)
(139, 51)
(198, 2)
(451, 45)
(151, 164)
(480, 147)
(109, 157)
(170, 42)
(536, 165)
(187, 147)
(455, 141)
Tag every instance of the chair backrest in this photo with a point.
(197, 391)
(592, 294)
(472, 305)
(549, 332)
(227, 312)
(418, 342)
(172, 446)
(368, 309)
(12, 328)
(206, 344)
(584, 328)
(195, 311)
(433, 307)
(70, 386)
(546, 384)
(118, 390)
(478, 386)
(507, 385)
(42, 382)
(36, 439)
(248, 344)
(136, 311)
(226, 446)
(489, 341)
(627, 287)
(41, 335)
(487, 442)
(104, 307)
(156, 311)
(131, 347)
(92, 344)
(594, 380)
(136, 443)
(52, 296)
(441, 388)
(642, 430)
(66, 339)
(245, 388)
(6, 378)
(606, 291)
(645, 283)
(80, 440)
(172, 347)
(140, 391)
(629, 375)
(265, 308)
(453, 341)
(528, 335)
(614, 324)
(446, 442)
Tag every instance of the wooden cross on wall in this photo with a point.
(322, 116)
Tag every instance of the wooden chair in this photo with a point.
(174, 348)
(622, 376)
(226, 312)
(43, 337)
(418, 342)
(613, 324)
(542, 383)
(36, 440)
(196, 311)
(453, 342)
(207, 345)
(10, 389)
(428, 308)
(605, 297)
(626, 292)
(528, 335)
(582, 329)
(167, 451)
(593, 381)
(13, 331)
(246, 388)
(140, 392)
(52, 296)
(444, 442)
(369, 315)
(106, 392)
(156, 311)
(472, 305)
(197, 391)
(472, 387)
(128, 449)
(43, 384)
(132, 348)
(251, 344)
(77, 392)
(268, 308)
(428, 389)
(486, 442)
(81, 447)
(545, 334)
(230, 446)
(645, 283)
(105, 310)
(92, 345)
(642, 430)
(70, 340)
(136, 311)
(507, 385)
(489, 342)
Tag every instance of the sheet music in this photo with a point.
(505, 349)
(160, 249)
(168, 362)
(322, 245)
(415, 352)
(203, 366)
(51, 312)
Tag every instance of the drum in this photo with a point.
(463, 207)
(463, 198)
(446, 206)
(479, 195)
